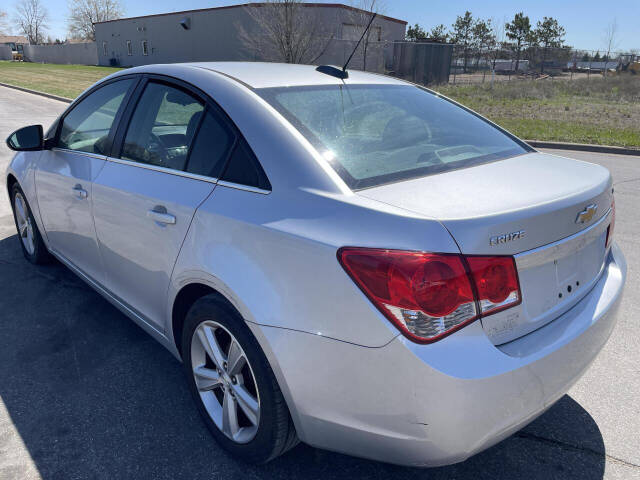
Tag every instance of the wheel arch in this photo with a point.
(192, 291)
(188, 294)
(11, 181)
(183, 301)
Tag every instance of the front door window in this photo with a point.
(86, 128)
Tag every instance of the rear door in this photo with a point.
(65, 174)
(172, 147)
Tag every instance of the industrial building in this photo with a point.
(220, 34)
(12, 47)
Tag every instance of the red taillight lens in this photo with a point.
(428, 296)
(438, 288)
(496, 281)
(612, 224)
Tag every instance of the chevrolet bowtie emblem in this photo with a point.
(587, 214)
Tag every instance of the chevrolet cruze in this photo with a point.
(347, 260)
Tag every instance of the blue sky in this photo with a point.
(583, 20)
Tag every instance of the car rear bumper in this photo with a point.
(430, 405)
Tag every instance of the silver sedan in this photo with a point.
(357, 263)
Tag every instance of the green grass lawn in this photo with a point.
(63, 80)
(598, 110)
(604, 111)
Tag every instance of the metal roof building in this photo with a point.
(13, 40)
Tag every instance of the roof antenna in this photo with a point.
(344, 69)
(335, 71)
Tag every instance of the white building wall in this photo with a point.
(71, 53)
(5, 52)
(214, 36)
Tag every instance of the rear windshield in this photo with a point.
(377, 134)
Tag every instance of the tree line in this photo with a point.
(292, 35)
(31, 19)
(477, 37)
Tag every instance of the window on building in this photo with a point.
(145, 49)
(354, 32)
(104, 48)
(129, 48)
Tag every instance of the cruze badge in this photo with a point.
(507, 237)
(587, 214)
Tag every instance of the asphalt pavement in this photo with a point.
(85, 393)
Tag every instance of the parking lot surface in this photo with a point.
(85, 393)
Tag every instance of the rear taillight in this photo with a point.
(612, 224)
(428, 296)
(496, 281)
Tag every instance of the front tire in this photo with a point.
(233, 385)
(31, 242)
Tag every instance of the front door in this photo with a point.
(144, 200)
(66, 173)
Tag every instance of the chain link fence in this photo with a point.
(440, 63)
(472, 65)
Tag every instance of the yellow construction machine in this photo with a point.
(629, 63)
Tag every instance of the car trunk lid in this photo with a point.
(550, 212)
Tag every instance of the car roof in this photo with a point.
(267, 75)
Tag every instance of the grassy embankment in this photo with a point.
(62, 80)
(596, 110)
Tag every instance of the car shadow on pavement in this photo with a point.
(92, 396)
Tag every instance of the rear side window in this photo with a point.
(211, 147)
(86, 128)
(244, 168)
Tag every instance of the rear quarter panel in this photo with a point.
(274, 257)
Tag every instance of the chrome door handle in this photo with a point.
(80, 192)
(159, 214)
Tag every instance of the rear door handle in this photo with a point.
(159, 214)
(80, 192)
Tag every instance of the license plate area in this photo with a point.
(553, 278)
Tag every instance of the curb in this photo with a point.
(584, 147)
(36, 92)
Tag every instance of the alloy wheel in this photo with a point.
(225, 381)
(25, 226)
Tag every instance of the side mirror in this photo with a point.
(26, 139)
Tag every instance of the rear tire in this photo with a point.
(33, 247)
(215, 339)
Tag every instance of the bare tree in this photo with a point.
(4, 26)
(610, 40)
(500, 35)
(31, 17)
(499, 30)
(84, 13)
(288, 31)
(360, 15)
